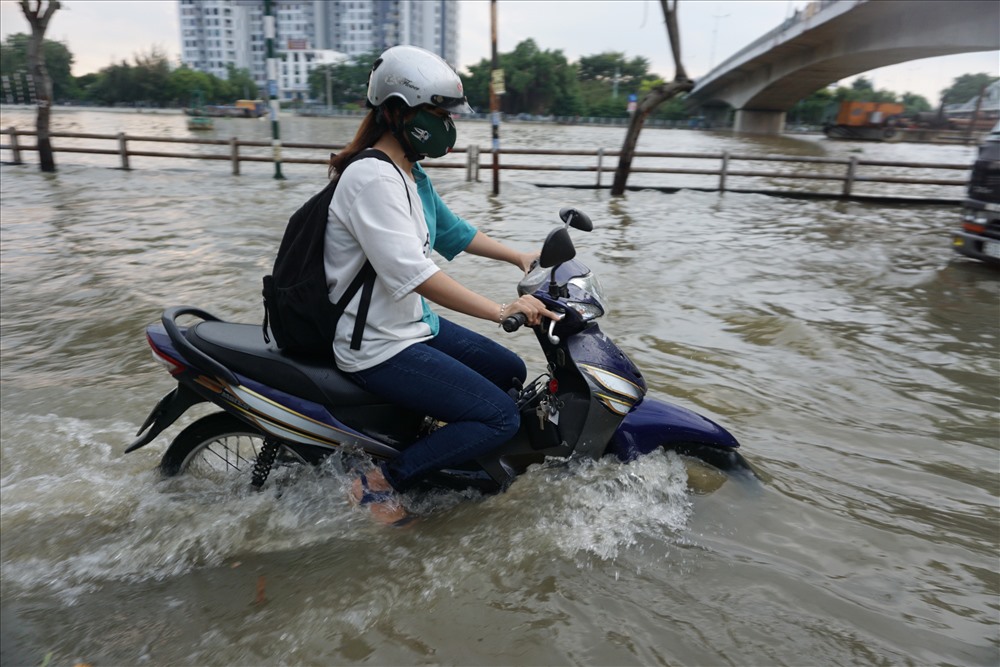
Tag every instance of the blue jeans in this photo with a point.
(458, 377)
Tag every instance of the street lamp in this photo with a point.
(715, 30)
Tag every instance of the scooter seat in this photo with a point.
(241, 348)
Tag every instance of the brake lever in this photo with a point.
(553, 338)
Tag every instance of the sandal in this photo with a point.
(370, 497)
(384, 505)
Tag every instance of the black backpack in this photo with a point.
(297, 305)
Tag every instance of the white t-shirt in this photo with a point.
(371, 217)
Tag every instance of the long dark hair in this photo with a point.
(372, 127)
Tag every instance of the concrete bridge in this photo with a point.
(832, 39)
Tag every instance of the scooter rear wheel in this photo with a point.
(217, 446)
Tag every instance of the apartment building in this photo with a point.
(357, 27)
(218, 33)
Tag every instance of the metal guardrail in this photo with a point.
(846, 177)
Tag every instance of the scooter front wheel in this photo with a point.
(218, 446)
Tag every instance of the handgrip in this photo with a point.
(513, 322)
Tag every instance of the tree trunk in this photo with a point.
(39, 21)
(655, 97)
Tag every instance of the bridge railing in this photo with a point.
(784, 175)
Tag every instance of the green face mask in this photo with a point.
(430, 134)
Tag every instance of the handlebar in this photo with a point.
(514, 322)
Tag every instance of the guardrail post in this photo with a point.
(474, 162)
(852, 167)
(123, 150)
(469, 155)
(600, 163)
(722, 171)
(15, 148)
(234, 151)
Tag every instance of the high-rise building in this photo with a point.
(357, 27)
(218, 33)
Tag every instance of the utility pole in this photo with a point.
(329, 91)
(496, 81)
(272, 87)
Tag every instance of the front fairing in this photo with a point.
(655, 424)
(575, 288)
(597, 385)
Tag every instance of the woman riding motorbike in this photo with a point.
(391, 216)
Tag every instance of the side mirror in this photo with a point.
(576, 219)
(558, 248)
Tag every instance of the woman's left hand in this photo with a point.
(524, 260)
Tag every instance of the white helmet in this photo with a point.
(417, 77)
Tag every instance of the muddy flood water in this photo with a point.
(852, 353)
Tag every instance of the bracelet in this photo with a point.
(503, 309)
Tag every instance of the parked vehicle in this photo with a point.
(866, 121)
(979, 237)
(590, 402)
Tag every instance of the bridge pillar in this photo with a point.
(759, 121)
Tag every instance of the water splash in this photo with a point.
(94, 516)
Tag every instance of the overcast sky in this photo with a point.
(99, 32)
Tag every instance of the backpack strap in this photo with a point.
(376, 153)
(368, 273)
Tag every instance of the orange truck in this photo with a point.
(860, 114)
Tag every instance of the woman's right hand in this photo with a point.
(533, 309)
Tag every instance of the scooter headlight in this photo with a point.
(588, 298)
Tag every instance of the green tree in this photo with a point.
(816, 109)
(862, 86)
(913, 103)
(186, 83)
(240, 82)
(536, 82)
(150, 81)
(477, 85)
(965, 87)
(113, 84)
(862, 90)
(598, 75)
(348, 81)
(183, 81)
(610, 65)
(150, 76)
(596, 99)
(58, 63)
(84, 85)
(671, 109)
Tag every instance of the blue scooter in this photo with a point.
(276, 407)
